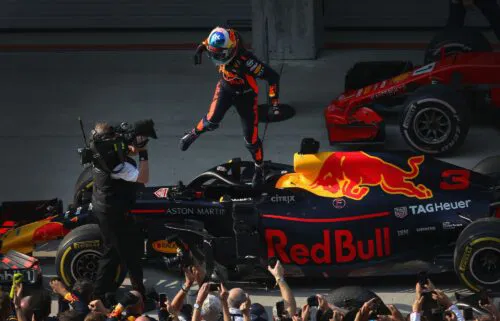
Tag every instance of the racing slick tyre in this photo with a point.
(455, 40)
(435, 120)
(352, 298)
(477, 255)
(83, 188)
(78, 256)
(367, 73)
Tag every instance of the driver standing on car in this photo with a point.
(489, 8)
(116, 180)
(238, 69)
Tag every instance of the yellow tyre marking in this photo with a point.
(485, 239)
(118, 270)
(482, 239)
(466, 281)
(61, 266)
(89, 184)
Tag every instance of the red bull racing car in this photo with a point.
(331, 214)
(436, 100)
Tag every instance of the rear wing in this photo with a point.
(13, 214)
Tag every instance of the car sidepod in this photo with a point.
(358, 214)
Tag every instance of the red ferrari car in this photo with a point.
(462, 75)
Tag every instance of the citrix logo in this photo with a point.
(283, 199)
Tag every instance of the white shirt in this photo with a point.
(125, 171)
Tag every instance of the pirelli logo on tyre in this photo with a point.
(87, 244)
(465, 258)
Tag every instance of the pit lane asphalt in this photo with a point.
(43, 94)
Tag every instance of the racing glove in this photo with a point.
(197, 55)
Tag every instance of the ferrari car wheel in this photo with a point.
(477, 255)
(455, 40)
(435, 120)
(432, 125)
(79, 253)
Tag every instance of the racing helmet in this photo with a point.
(222, 45)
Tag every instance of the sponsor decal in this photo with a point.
(337, 246)
(359, 93)
(259, 70)
(382, 85)
(425, 69)
(401, 212)
(376, 86)
(339, 203)
(241, 199)
(87, 244)
(6, 276)
(426, 229)
(339, 174)
(217, 39)
(250, 63)
(283, 199)
(401, 77)
(465, 258)
(221, 169)
(367, 90)
(439, 207)
(197, 211)
(161, 192)
(451, 225)
(164, 246)
(391, 91)
(403, 232)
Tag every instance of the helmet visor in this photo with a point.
(220, 55)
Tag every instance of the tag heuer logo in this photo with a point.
(401, 212)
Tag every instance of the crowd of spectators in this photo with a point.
(215, 302)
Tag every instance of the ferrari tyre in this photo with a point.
(367, 73)
(83, 188)
(477, 255)
(352, 298)
(455, 40)
(435, 120)
(78, 256)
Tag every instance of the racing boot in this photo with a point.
(188, 138)
(258, 176)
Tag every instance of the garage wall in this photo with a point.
(206, 13)
(121, 13)
(392, 13)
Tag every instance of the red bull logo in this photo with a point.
(353, 174)
(337, 246)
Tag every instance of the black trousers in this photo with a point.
(123, 244)
(489, 8)
(247, 108)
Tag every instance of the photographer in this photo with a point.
(116, 181)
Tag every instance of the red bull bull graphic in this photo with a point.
(336, 246)
(353, 174)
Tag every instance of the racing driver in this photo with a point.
(237, 86)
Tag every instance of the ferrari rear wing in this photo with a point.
(23, 212)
